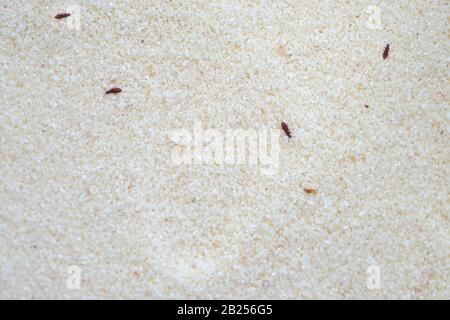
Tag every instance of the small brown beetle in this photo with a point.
(386, 52)
(286, 130)
(62, 16)
(310, 190)
(114, 91)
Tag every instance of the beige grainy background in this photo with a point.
(87, 179)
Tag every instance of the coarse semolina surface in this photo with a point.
(87, 179)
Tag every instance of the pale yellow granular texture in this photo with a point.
(87, 179)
